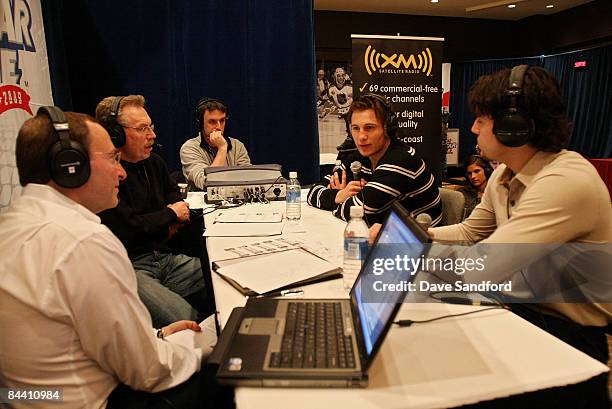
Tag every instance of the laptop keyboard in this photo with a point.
(314, 338)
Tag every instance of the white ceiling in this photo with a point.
(493, 9)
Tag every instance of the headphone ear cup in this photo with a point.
(69, 166)
(392, 124)
(197, 117)
(67, 160)
(512, 127)
(117, 134)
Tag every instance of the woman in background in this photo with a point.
(477, 173)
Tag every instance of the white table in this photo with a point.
(442, 364)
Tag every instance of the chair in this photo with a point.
(453, 204)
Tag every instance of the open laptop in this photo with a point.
(316, 342)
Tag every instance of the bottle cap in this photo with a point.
(292, 175)
(356, 211)
(338, 162)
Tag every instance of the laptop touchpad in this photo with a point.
(259, 326)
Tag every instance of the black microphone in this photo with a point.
(356, 170)
(158, 146)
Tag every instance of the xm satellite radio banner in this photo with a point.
(408, 71)
(24, 82)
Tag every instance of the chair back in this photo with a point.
(453, 204)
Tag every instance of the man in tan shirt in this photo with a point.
(541, 194)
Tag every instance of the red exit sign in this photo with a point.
(580, 64)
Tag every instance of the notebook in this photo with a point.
(282, 342)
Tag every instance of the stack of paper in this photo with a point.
(265, 273)
(245, 221)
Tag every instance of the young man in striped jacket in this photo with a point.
(391, 171)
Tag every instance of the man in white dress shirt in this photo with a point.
(71, 317)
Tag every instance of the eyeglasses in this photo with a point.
(114, 156)
(141, 129)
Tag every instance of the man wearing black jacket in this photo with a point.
(149, 214)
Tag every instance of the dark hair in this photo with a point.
(481, 162)
(34, 140)
(363, 103)
(208, 104)
(541, 98)
(212, 105)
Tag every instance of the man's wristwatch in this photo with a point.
(160, 333)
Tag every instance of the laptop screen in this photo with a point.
(374, 317)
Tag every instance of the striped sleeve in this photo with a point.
(322, 197)
(399, 176)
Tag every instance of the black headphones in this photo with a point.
(115, 130)
(202, 105)
(68, 160)
(513, 126)
(391, 122)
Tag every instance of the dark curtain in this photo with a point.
(52, 11)
(463, 76)
(282, 85)
(588, 93)
(257, 56)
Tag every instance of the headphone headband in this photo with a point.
(114, 110)
(513, 126)
(115, 130)
(202, 102)
(383, 100)
(517, 75)
(59, 122)
(56, 115)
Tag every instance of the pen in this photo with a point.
(282, 293)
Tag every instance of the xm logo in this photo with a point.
(15, 37)
(397, 63)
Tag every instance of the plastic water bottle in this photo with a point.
(294, 201)
(356, 246)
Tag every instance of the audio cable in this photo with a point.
(492, 305)
(407, 323)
